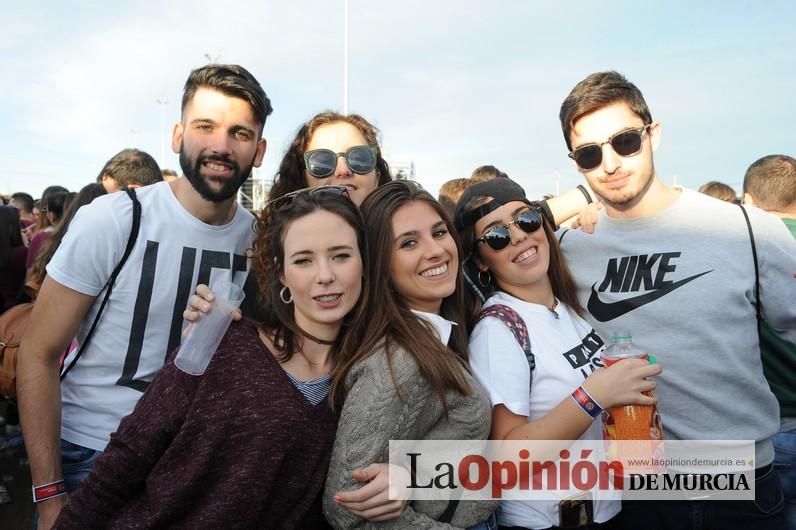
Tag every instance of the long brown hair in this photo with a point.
(558, 272)
(391, 321)
(268, 260)
(291, 177)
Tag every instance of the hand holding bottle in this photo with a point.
(623, 383)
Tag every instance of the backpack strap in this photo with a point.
(516, 325)
(109, 286)
(757, 268)
(447, 515)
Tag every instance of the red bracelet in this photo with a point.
(48, 491)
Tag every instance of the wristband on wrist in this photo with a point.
(48, 491)
(586, 402)
(585, 193)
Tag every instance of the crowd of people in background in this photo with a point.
(376, 312)
(43, 222)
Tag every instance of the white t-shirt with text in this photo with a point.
(566, 350)
(142, 321)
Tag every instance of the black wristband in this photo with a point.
(585, 193)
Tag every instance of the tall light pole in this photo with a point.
(345, 59)
(162, 104)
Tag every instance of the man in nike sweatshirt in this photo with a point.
(675, 268)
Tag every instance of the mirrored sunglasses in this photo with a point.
(499, 237)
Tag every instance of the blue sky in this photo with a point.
(451, 84)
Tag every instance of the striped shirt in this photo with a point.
(314, 391)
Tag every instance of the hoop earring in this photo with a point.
(481, 281)
(285, 299)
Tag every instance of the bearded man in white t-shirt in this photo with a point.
(191, 229)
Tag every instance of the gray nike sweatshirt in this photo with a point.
(682, 281)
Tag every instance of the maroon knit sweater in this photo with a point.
(238, 447)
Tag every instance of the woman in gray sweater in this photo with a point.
(403, 371)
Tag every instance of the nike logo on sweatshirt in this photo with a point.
(626, 275)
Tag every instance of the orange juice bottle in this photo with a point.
(630, 422)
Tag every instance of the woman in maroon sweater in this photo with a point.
(247, 444)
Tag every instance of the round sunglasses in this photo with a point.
(499, 237)
(321, 163)
(624, 143)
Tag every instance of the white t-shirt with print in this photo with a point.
(566, 350)
(142, 322)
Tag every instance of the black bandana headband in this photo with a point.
(501, 190)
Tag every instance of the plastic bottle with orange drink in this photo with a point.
(630, 422)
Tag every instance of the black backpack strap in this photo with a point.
(757, 268)
(516, 325)
(447, 515)
(109, 286)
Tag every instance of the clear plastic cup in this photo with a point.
(205, 335)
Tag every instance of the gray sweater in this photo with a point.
(373, 415)
(682, 281)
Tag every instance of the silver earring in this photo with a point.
(285, 299)
(481, 281)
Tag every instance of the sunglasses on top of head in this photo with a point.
(317, 192)
(624, 143)
(321, 163)
(498, 237)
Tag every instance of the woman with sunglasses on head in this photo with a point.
(247, 443)
(329, 149)
(407, 375)
(546, 383)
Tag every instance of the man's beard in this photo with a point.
(625, 199)
(230, 186)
